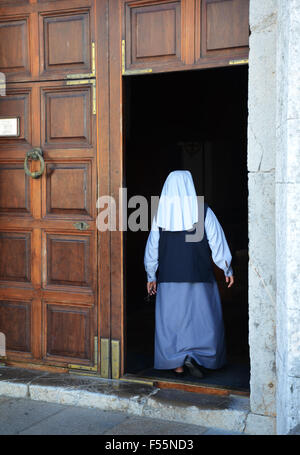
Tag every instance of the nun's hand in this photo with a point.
(230, 280)
(151, 287)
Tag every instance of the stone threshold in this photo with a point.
(229, 412)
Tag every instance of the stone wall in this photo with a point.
(261, 180)
(288, 217)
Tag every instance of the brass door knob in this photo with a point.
(35, 154)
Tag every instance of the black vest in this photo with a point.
(181, 261)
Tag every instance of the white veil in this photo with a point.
(178, 206)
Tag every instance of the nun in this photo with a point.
(189, 328)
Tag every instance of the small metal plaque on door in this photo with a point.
(9, 127)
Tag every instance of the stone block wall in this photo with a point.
(261, 181)
(274, 211)
(287, 184)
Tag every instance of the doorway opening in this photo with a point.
(197, 121)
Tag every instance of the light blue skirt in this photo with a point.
(189, 321)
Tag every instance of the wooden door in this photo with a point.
(151, 36)
(164, 35)
(49, 275)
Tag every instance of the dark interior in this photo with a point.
(197, 121)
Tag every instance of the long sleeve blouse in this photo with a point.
(216, 239)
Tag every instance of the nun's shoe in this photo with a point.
(193, 368)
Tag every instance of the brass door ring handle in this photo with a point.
(35, 154)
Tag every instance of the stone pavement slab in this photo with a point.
(17, 414)
(71, 420)
(149, 426)
(22, 416)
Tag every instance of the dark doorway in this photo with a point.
(197, 121)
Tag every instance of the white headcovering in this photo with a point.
(177, 207)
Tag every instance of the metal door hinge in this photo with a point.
(115, 359)
(104, 357)
(85, 75)
(238, 62)
(72, 366)
(126, 72)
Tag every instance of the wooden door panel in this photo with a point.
(15, 257)
(222, 29)
(69, 189)
(63, 33)
(68, 261)
(67, 117)
(65, 45)
(153, 34)
(17, 316)
(73, 327)
(14, 190)
(14, 46)
(235, 31)
(162, 36)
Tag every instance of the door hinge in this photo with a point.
(87, 81)
(126, 72)
(86, 75)
(104, 358)
(115, 359)
(72, 366)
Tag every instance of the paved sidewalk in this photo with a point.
(41, 402)
(22, 416)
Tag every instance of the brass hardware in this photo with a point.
(84, 367)
(104, 357)
(85, 75)
(81, 81)
(34, 154)
(123, 57)
(93, 83)
(81, 225)
(115, 359)
(94, 98)
(238, 62)
(93, 60)
(133, 72)
(126, 72)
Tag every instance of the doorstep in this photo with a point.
(230, 412)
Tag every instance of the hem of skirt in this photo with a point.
(208, 365)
